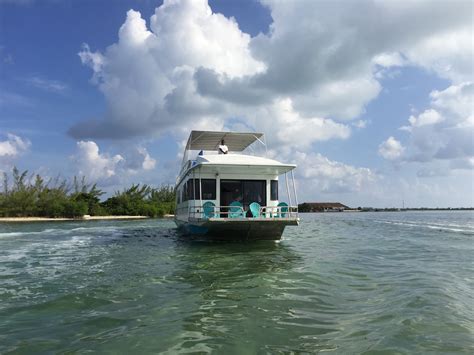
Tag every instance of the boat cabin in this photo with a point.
(219, 181)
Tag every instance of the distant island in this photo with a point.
(309, 207)
(26, 195)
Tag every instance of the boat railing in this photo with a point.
(266, 212)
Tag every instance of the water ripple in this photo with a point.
(347, 283)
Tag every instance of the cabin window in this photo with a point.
(185, 191)
(196, 187)
(208, 189)
(193, 191)
(274, 190)
(189, 189)
(190, 192)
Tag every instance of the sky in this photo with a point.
(373, 100)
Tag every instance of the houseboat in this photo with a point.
(223, 191)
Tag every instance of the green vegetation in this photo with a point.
(26, 195)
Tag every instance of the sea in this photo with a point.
(346, 283)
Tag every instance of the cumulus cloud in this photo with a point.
(445, 130)
(147, 76)
(92, 163)
(111, 169)
(448, 52)
(287, 128)
(328, 176)
(190, 65)
(11, 148)
(137, 159)
(317, 47)
(428, 117)
(391, 149)
(148, 162)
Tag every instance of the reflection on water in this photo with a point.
(348, 283)
(231, 285)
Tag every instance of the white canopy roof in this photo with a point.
(210, 140)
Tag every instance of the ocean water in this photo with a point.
(373, 283)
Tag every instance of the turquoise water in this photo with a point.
(342, 282)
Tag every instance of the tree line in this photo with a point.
(25, 195)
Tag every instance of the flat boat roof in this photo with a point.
(210, 140)
(239, 163)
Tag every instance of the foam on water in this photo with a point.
(437, 226)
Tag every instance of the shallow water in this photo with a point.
(342, 282)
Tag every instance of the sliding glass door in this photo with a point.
(243, 191)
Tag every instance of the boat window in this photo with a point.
(196, 186)
(274, 190)
(186, 195)
(189, 189)
(208, 189)
(193, 192)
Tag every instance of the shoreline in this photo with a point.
(63, 219)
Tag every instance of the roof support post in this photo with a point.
(194, 193)
(200, 192)
(288, 190)
(294, 188)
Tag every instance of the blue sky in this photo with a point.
(373, 111)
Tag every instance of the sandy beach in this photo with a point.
(84, 218)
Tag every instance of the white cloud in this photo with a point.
(12, 147)
(147, 76)
(148, 162)
(94, 165)
(428, 117)
(444, 131)
(319, 173)
(192, 66)
(391, 149)
(341, 99)
(457, 101)
(448, 52)
(388, 60)
(137, 159)
(360, 124)
(288, 129)
(111, 169)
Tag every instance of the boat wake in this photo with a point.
(443, 227)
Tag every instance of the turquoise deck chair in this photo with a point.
(255, 209)
(283, 210)
(235, 210)
(208, 209)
